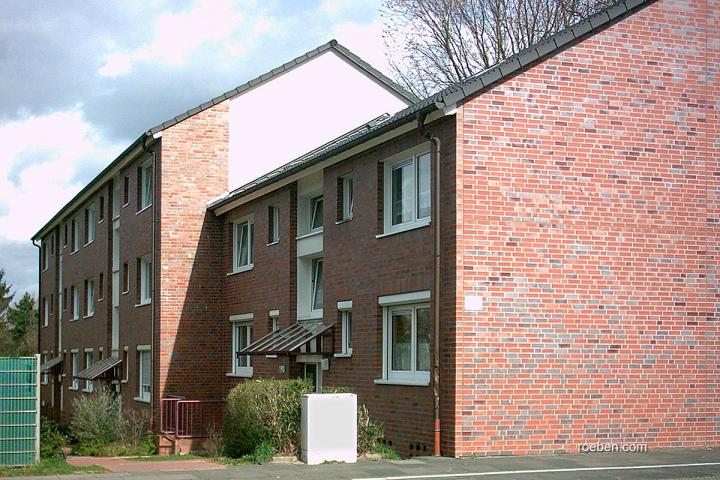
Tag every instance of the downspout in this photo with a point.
(152, 286)
(436, 301)
(39, 289)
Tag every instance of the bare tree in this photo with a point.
(435, 43)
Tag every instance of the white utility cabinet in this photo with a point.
(328, 428)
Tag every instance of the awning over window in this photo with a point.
(50, 364)
(301, 338)
(98, 368)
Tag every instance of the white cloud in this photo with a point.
(40, 162)
(219, 24)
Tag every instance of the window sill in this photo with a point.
(244, 268)
(74, 251)
(244, 372)
(344, 355)
(75, 319)
(123, 381)
(101, 221)
(44, 326)
(125, 292)
(273, 243)
(88, 316)
(142, 304)
(85, 390)
(316, 315)
(406, 227)
(407, 383)
(125, 204)
(311, 234)
(271, 356)
(143, 209)
(344, 220)
(88, 243)
(75, 389)
(45, 269)
(143, 400)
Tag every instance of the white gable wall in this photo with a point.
(298, 111)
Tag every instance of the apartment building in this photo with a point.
(520, 263)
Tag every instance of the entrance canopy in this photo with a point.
(99, 368)
(302, 338)
(50, 364)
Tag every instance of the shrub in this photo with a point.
(97, 419)
(214, 444)
(369, 433)
(53, 437)
(264, 411)
(135, 428)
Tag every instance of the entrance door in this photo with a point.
(312, 373)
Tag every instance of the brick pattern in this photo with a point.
(587, 221)
(193, 168)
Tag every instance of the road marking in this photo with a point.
(552, 470)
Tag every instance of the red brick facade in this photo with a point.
(587, 223)
(579, 213)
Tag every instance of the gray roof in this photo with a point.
(450, 95)
(331, 45)
(146, 136)
(50, 364)
(290, 340)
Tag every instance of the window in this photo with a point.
(126, 365)
(347, 332)
(407, 192)
(64, 299)
(126, 278)
(75, 302)
(126, 190)
(316, 297)
(273, 224)
(89, 224)
(45, 255)
(145, 279)
(406, 339)
(75, 234)
(274, 321)
(88, 364)
(242, 335)
(65, 239)
(89, 298)
(144, 374)
(74, 383)
(316, 213)
(101, 286)
(46, 311)
(101, 213)
(347, 198)
(45, 375)
(243, 241)
(146, 185)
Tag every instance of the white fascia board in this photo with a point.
(403, 298)
(242, 317)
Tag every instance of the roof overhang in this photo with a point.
(51, 364)
(99, 368)
(305, 337)
(136, 149)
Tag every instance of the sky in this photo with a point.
(80, 80)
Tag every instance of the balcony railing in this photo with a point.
(183, 418)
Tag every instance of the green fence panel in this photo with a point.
(19, 410)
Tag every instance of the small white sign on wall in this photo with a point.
(474, 303)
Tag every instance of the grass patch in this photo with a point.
(387, 453)
(162, 458)
(50, 466)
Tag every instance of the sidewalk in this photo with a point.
(663, 464)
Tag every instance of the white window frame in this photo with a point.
(314, 285)
(90, 295)
(74, 382)
(126, 364)
(90, 223)
(146, 186)
(409, 157)
(346, 339)
(238, 322)
(237, 225)
(412, 301)
(75, 224)
(88, 383)
(314, 201)
(75, 302)
(347, 197)
(146, 279)
(144, 396)
(274, 224)
(46, 255)
(46, 312)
